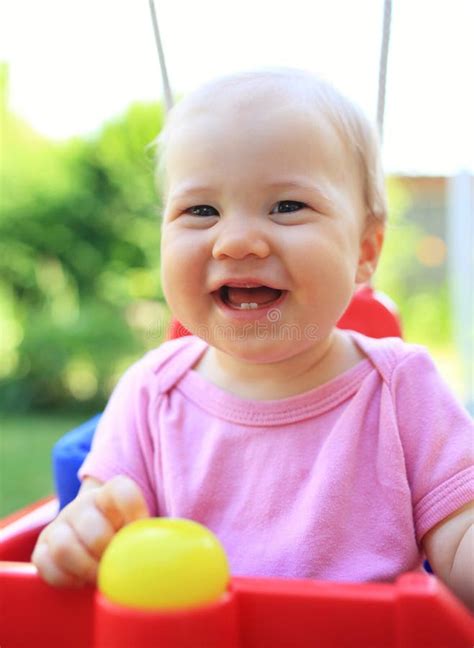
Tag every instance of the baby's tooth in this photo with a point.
(248, 305)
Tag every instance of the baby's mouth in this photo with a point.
(249, 298)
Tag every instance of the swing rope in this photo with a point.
(387, 18)
(161, 55)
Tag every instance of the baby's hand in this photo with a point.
(68, 550)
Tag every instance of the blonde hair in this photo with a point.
(242, 89)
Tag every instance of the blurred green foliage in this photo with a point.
(424, 305)
(80, 294)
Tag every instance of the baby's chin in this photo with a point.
(257, 351)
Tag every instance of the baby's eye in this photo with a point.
(284, 206)
(202, 210)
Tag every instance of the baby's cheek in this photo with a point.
(176, 257)
(186, 245)
(182, 277)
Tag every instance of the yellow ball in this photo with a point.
(163, 563)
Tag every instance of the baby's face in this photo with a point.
(268, 196)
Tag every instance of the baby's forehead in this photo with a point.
(278, 112)
(269, 112)
(246, 98)
(241, 103)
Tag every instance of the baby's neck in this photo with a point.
(271, 381)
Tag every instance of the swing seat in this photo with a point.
(414, 612)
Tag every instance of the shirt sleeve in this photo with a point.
(122, 443)
(437, 437)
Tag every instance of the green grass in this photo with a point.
(25, 456)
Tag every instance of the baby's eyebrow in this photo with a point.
(190, 190)
(313, 187)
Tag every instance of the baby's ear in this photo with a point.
(369, 252)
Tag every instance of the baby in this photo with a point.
(310, 451)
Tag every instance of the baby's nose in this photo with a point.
(240, 239)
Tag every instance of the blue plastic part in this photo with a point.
(427, 567)
(68, 455)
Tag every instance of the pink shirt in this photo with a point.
(338, 483)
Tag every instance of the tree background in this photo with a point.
(80, 293)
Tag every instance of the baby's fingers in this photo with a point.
(121, 501)
(93, 530)
(62, 560)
